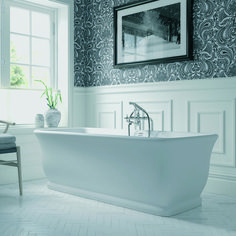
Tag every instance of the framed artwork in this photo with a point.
(152, 31)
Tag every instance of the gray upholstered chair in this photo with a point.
(8, 145)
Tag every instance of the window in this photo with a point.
(36, 43)
(32, 45)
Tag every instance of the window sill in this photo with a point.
(24, 129)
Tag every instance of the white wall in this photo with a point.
(197, 106)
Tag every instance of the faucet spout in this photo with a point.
(135, 118)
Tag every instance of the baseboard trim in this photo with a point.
(220, 186)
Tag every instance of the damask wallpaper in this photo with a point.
(214, 45)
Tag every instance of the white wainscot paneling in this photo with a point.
(206, 106)
(109, 115)
(215, 117)
(79, 118)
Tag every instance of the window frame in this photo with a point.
(64, 57)
(5, 42)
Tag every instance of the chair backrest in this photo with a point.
(7, 125)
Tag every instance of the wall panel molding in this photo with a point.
(220, 148)
(109, 115)
(215, 116)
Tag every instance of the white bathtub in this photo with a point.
(162, 175)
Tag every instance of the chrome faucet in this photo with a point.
(135, 118)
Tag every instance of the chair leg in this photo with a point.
(19, 170)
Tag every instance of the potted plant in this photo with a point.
(52, 115)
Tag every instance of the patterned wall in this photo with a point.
(214, 45)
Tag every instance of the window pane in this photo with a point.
(40, 74)
(19, 20)
(40, 52)
(19, 49)
(40, 24)
(19, 76)
(23, 105)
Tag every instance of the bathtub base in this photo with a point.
(150, 209)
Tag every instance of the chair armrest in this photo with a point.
(7, 125)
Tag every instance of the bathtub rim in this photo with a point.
(69, 131)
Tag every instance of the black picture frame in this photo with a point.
(154, 31)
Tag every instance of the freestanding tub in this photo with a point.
(162, 175)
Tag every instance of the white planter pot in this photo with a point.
(39, 121)
(52, 118)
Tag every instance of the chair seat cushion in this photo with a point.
(6, 151)
(7, 146)
(7, 138)
(7, 141)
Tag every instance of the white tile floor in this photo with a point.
(45, 212)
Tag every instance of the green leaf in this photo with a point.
(52, 101)
(43, 93)
(60, 97)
